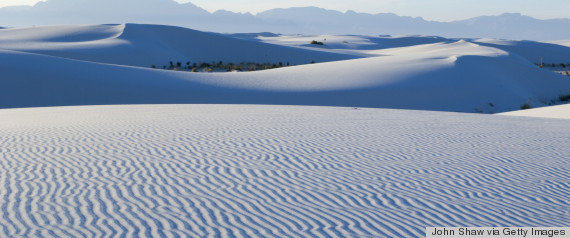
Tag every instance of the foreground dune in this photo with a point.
(287, 171)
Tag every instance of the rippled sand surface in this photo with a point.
(275, 171)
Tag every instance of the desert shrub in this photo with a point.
(526, 106)
(220, 66)
(564, 98)
(314, 42)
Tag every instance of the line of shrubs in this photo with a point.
(562, 99)
(220, 66)
(561, 65)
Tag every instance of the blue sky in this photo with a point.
(442, 10)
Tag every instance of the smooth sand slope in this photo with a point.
(275, 171)
(562, 42)
(110, 64)
(147, 45)
(549, 53)
(560, 112)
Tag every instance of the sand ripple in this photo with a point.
(275, 171)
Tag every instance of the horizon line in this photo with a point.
(335, 10)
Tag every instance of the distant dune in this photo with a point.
(563, 42)
(94, 65)
(146, 45)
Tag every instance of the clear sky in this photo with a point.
(441, 10)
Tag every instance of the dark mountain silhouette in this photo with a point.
(303, 20)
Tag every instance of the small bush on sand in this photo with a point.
(564, 98)
(314, 42)
(525, 106)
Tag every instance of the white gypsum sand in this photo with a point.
(145, 45)
(559, 112)
(110, 64)
(238, 170)
(275, 171)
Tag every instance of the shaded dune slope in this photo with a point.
(110, 64)
(146, 45)
(445, 81)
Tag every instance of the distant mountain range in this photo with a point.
(304, 20)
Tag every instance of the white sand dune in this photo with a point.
(207, 170)
(531, 50)
(93, 65)
(559, 112)
(357, 42)
(561, 42)
(146, 45)
(275, 171)
(350, 44)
